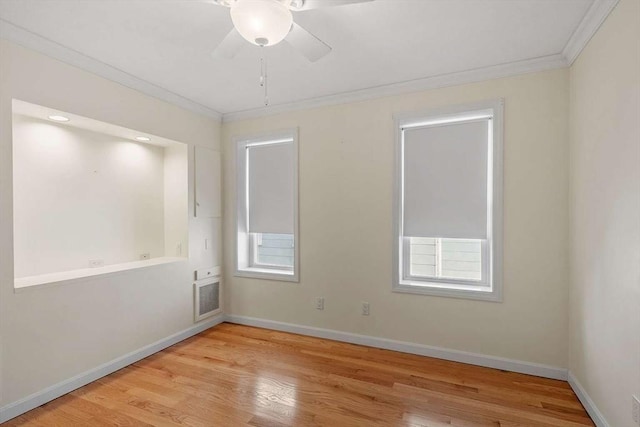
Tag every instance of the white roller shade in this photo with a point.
(445, 180)
(270, 188)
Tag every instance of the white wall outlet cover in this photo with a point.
(320, 303)
(635, 413)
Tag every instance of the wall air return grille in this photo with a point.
(207, 299)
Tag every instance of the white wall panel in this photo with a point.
(208, 183)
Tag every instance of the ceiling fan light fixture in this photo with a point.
(261, 22)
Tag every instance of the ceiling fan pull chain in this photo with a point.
(263, 75)
(261, 72)
(266, 81)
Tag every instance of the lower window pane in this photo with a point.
(459, 259)
(274, 249)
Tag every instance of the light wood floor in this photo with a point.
(235, 375)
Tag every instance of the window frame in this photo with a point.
(244, 250)
(492, 262)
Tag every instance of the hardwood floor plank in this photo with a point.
(233, 375)
(508, 412)
(440, 370)
(541, 400)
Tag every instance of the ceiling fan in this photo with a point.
(268, 22)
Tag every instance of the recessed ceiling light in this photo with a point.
(143, 138)
(57, 118)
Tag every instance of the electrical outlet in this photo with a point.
(365, 308)
(93, 263)
(636, 409)
(320, 303)
(145, 255)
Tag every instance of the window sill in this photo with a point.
(267, 274)
(480, 293)
(22, 284)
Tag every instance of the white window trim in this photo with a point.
(447, 287)
(243, 240)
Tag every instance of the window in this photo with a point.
(271, 250)
(458, 259)
(448, 202)
(267, 207)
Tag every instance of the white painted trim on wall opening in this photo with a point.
(242, 241)
(446, 288)
(586, 401)
(495, 362)
(34, 400)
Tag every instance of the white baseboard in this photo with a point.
(586, 401)
(33, 401)
(21, 406)
(407, 347)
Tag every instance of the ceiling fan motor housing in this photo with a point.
(261, 22)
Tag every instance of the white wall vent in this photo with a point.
(207, 299)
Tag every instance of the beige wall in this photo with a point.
(605, 215)
(48, 335)
(346, 176)
(346, 171)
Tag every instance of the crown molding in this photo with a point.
(593, 19)
(451, 79)
(30, 40)
(591, 22)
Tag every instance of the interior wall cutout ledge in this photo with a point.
(115, 203)
(23, 283)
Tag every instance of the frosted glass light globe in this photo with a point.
(261, 22)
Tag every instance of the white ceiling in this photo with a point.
(168, 43)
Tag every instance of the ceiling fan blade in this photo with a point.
(315, 4)
(225, 3)
(306, 43)
(230, 45)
